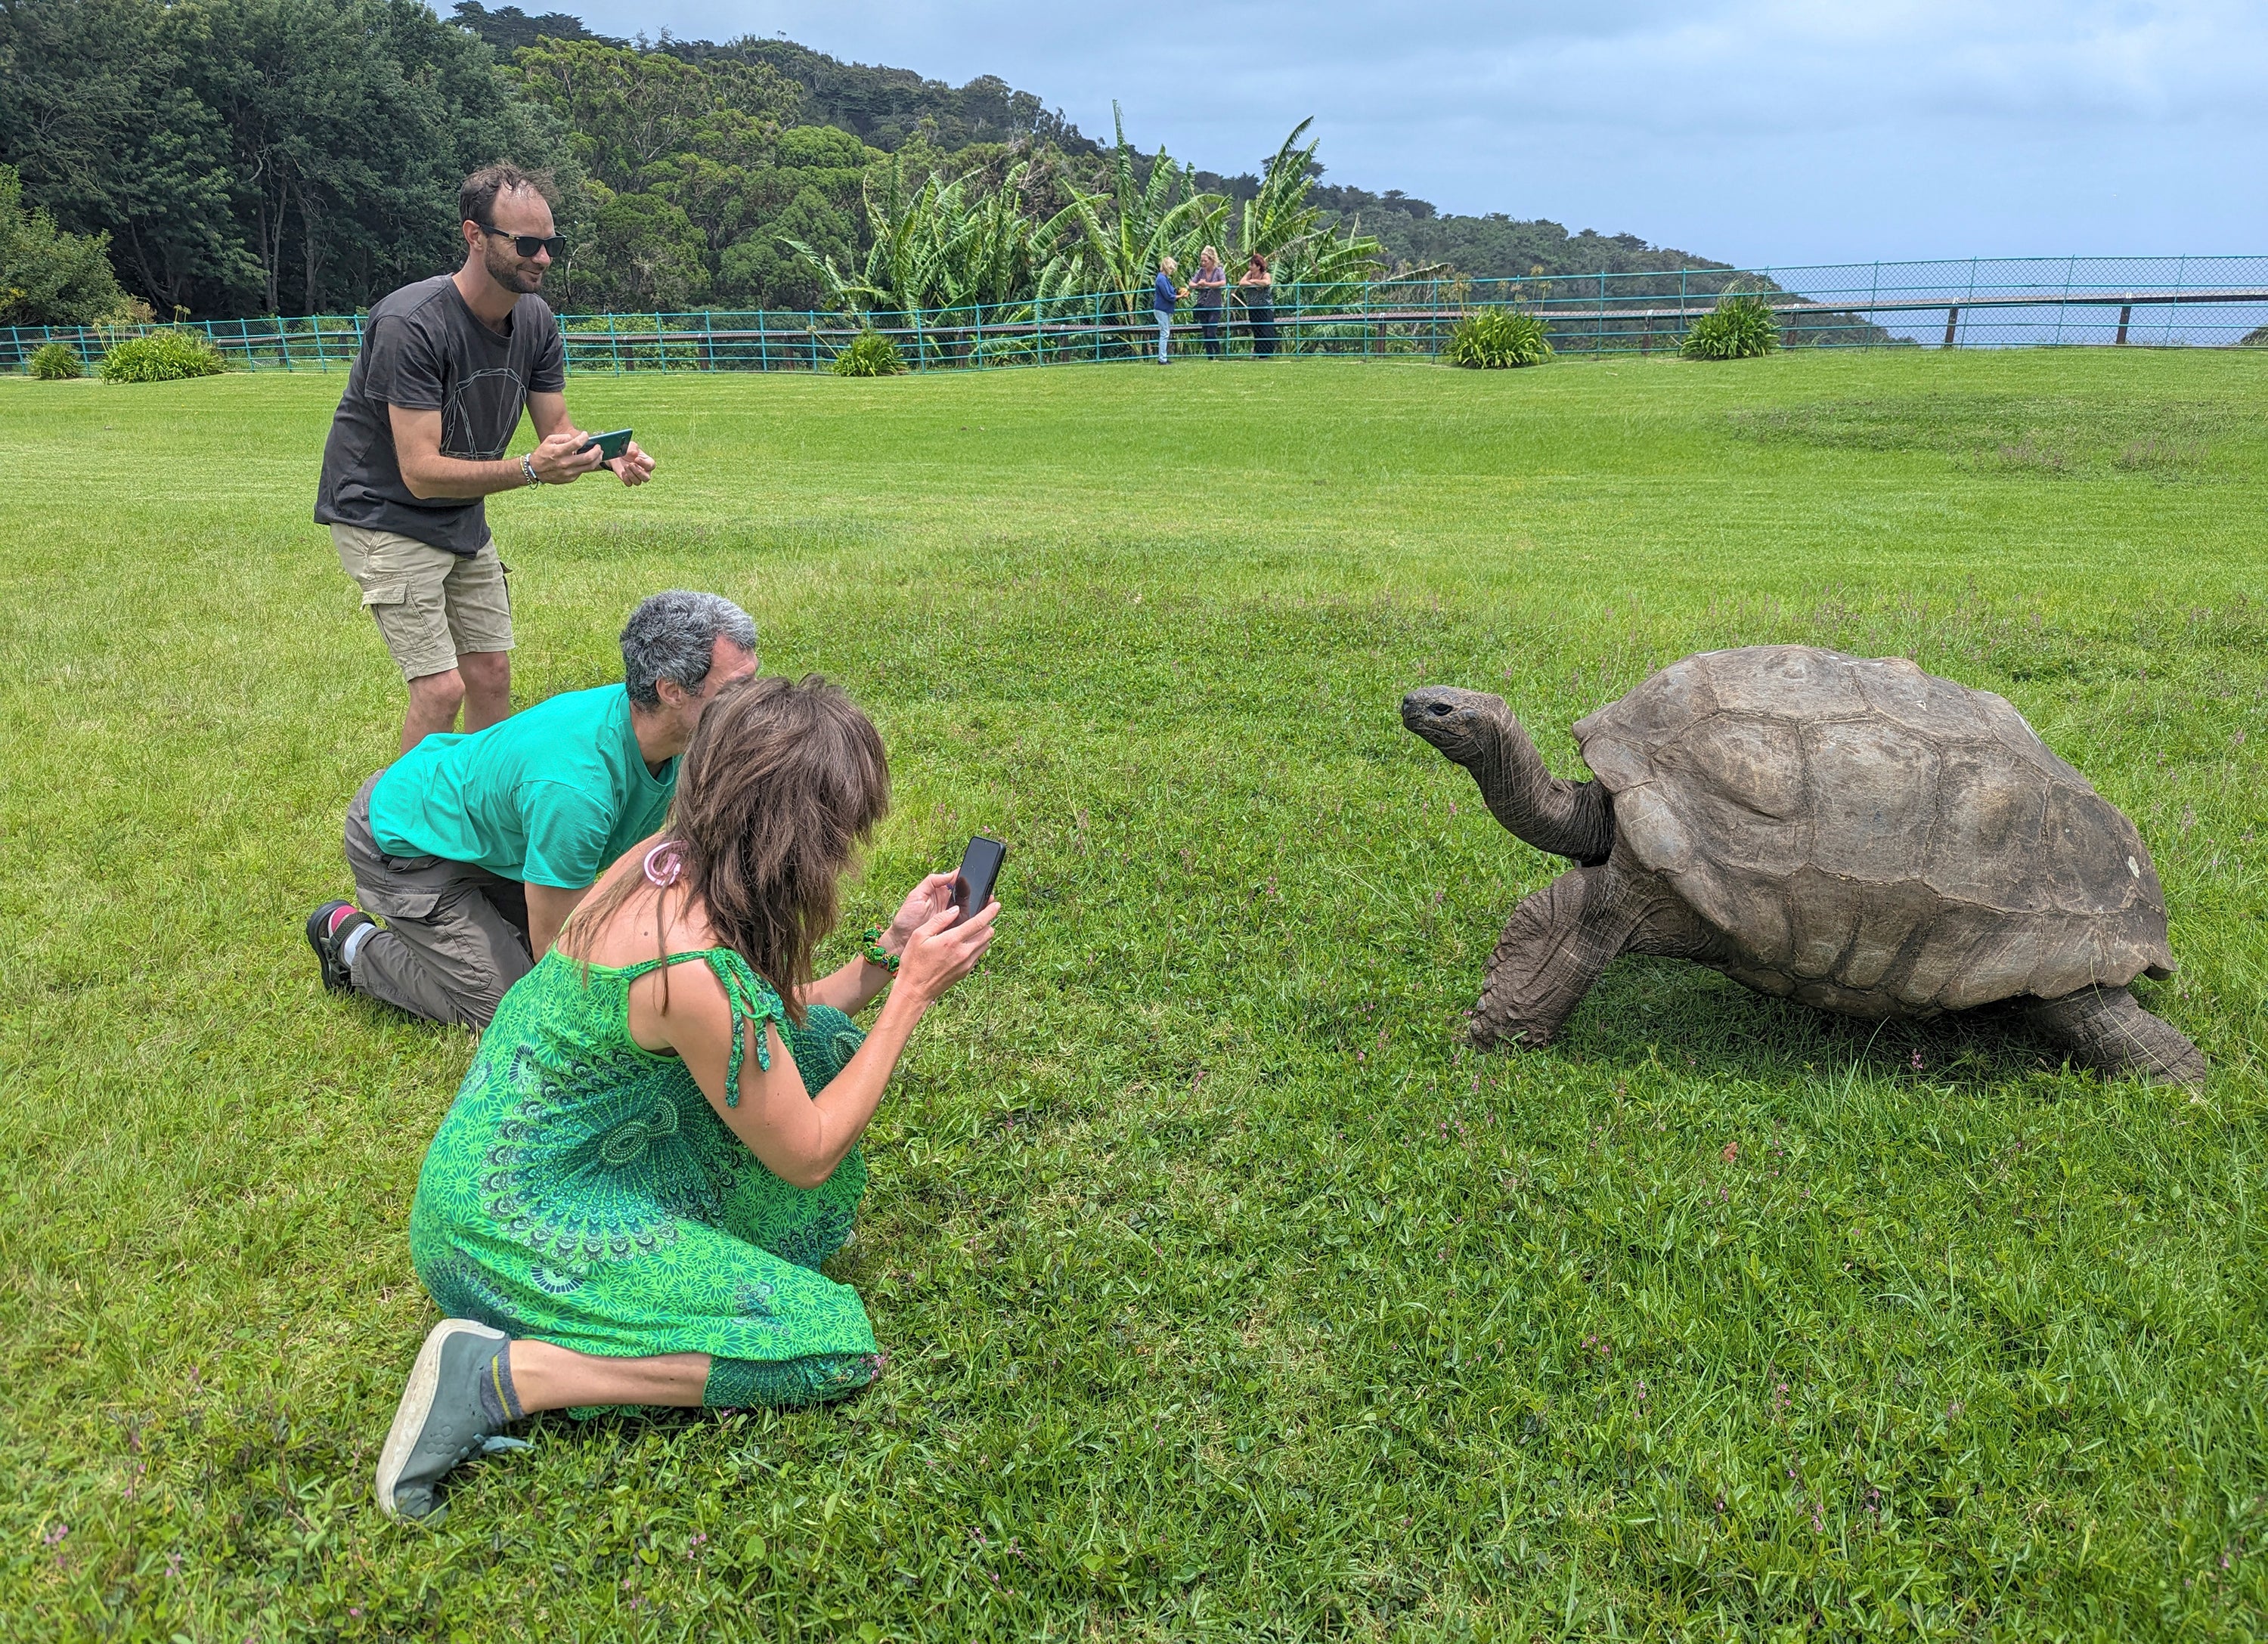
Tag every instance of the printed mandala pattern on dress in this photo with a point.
(583, 1191)
(815, 1379)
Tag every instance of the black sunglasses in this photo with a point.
(528, 244)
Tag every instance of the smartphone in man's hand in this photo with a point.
(609, 446)
(980, 868)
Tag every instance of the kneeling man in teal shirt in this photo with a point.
(474, 850)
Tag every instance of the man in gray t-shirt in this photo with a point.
(447, 365)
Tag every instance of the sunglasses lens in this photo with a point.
(528, 244)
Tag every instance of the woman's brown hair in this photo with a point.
(784, 780)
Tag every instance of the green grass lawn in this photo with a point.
(1225, 1292)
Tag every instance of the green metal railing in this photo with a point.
(1977, 303)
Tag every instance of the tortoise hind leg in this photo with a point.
(2104, 1028)
(1556, 944)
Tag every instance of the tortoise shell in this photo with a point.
(1871, 839)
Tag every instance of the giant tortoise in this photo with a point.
(1854, 834)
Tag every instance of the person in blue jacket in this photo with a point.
(1163, 303)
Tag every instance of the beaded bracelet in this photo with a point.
(876, 953)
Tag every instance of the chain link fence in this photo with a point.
(2208, 302)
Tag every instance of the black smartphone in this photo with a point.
(980, 867)
(608, 446)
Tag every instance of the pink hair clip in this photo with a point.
(663, 864)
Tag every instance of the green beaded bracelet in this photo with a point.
(876, 953)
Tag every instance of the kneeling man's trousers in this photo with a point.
(455, 936)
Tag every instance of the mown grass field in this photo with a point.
(1227, 1295)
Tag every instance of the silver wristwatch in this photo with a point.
(527, 467)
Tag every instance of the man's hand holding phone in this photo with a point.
(568, 455)
(633, 467)
(564, 457)
(621, 453)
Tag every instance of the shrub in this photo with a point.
(1496, 338)
(1741, 328)
(54, 362)
(162, 356)
(48, 278)
(870, 354)
(2256, 338)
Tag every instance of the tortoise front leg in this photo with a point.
(2105, 1029)
(1557, 942)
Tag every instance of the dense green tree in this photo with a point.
(1494, 246)
(644, 252)
(887, 107)
(47, 277)
(508, 29)
(350, 125)
(765, 271)
(100, 112)
(247, 155)
(704, 138)
(630, 110)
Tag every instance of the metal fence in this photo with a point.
(1979, 302)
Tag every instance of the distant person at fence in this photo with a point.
(1161, 303)
(1210, 288)
(474, 850)
(657, 1144)
(1257, 287)
(447, 366)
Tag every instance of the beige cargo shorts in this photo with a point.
(432, 607)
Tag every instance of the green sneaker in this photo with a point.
(444, 1418)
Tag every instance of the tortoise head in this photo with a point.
(1468, 726)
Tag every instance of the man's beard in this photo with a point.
(509, 273)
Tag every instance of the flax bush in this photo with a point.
(1497, 338)
(870, 354)
(54, 362)
(1740, 328)
(162, 356)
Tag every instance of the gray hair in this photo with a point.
(672, 636)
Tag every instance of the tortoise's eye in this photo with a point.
(1439, 708)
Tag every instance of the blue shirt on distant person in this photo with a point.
(1166, 298)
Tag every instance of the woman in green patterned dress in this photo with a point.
(657, 1144)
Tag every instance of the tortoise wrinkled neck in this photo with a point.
(1567, 819)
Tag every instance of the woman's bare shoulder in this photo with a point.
(646, 924)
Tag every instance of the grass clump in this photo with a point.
(54, 362)
(1496, 339)
(870, 354)
(1738, 328)
(1228, 1293)
(162, 356)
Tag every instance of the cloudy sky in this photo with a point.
(1758, 131)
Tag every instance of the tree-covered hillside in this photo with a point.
(885, 108)
(264, 157)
